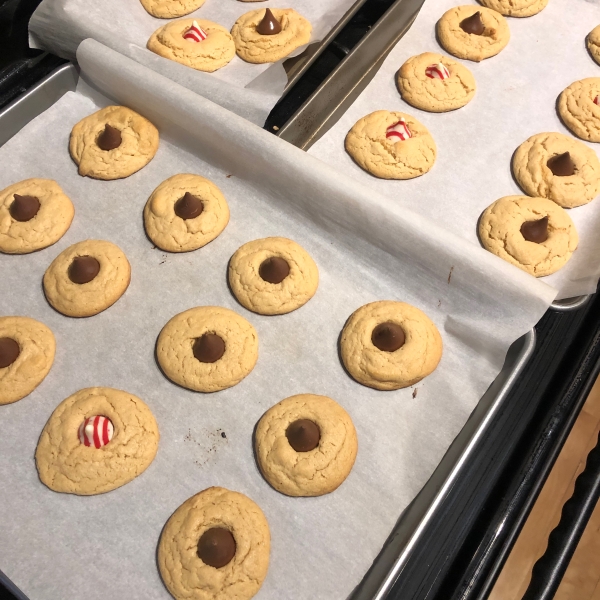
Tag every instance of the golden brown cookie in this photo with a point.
(215, 546)
(389, 345)
(273, 276)
(87, 278)
(516, 8)
(34, 214)
(74, 460)
(208, 54)
(379, 144)
(435, 83)
(306, 445)
(534, 234)
(593, 43)
(112, 143)
(207, 349)
(555, 166)
(578, 108)
(169, 9)
(27, 350)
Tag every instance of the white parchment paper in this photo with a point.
(516, 96)
(61, 25)
(63, 546)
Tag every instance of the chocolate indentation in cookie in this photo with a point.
(83, 269)
(535, 231)
(269, 24)
(24, 208)
(188, 207)
(274, 269)
(216, 547)
(303, 435)
(109, 139)
(388, 336)
(209, 348)
(562, 165)
(473, 24)
(9, 352)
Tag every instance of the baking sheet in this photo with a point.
(60, 25)
(516, 96)
(61, 546)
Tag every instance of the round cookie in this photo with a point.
(67, 282)
(27, 350)
(207, 348)
(273, 276)
(516, 8)
(254, 47)
(435, 83)
(208, 55)
(473, 46)
(301, 458)
(367, 143)
(34, 214)
(409, 345)
(593, 43)
(65, 464)
(129, 142)
(241, 551)
(574, 187)
(185, 212)
(578, 109)
(534, 234)
(169, 9)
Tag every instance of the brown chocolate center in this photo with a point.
(274, 269)
(562, 165)
(24, 208)
(473, 24)
(188, 207)
(9, 352)
(303, 435)
(216, 547)
(269, 24)
(83, 269)
(109, 139)
(388, 336)
(535, 231)
(209, 348)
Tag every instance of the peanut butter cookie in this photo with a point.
(593, 43)
(578, 108)
(516, 8)
(169, 9)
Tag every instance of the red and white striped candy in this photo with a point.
(438, 71)
(398, 132)
(597, 100)
(96, 431)
(195, 33)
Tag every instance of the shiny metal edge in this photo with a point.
(569, 304)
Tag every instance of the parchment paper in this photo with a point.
(62, 546)
(61, 25)
(516, 95)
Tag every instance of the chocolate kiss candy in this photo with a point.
(535, 231)
(209, 348)
(473, 24)
(188, 207)
(388, 337)
(24, 208)
(269, 24)
(109, 139)
(9, 352)
(274, 269)
(216, 547)
(303, 435)
(561, 165)
(83, 269)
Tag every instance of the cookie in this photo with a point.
(113, 143)
(207, 348)
(435, 83)
(389, 345)
(391, 145)
(534, 234)
(578, 108)
(555, 166)
(283, 30)
(87, 278)
(169, 9)
(200, 44)
(77, 456)
(473, 33)
(273, 276)
(305, 445)
(34, 214)
(516, 8)
(593, 43)
(27, 350)
(185, 212)
(215, 545)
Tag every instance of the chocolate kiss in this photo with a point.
(561, 165)
(473, 24)
(188, 207)
(303, 435)
(535, 231)
(269, 24)
(9, 352)
(24, 208)
(109, 139)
